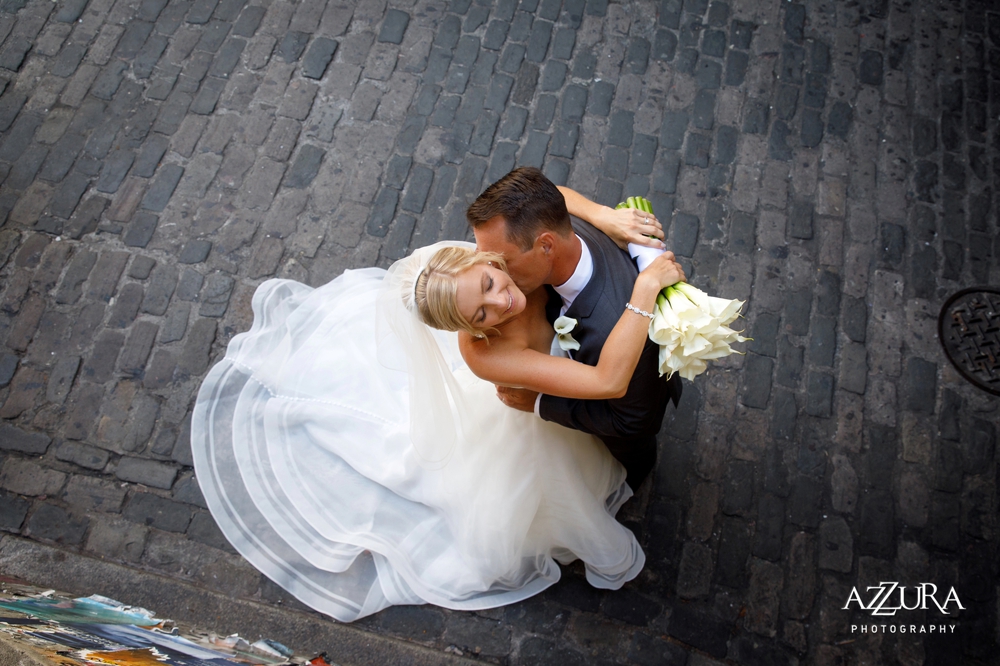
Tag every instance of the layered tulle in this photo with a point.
(303, 441)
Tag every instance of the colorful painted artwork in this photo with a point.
(102, 632)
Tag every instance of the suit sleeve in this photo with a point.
(639, 412)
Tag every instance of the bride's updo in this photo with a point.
(436, 289)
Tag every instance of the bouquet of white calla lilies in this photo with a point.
(690, 326)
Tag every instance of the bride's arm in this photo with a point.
(566, 378)
(623, 226)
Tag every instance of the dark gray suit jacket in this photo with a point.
(639, 413)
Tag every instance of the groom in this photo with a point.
(525, 217)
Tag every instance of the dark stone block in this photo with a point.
(615, 163)
(482, 137)
(757, 381)
(796, 312)
(954, 172)
(925, 180)
(708, 74)
(162, 188)
(158, 512)
(951, 132)
(786, 101)
(684, 234)
(765, 334)
(665, 173)
(770, 526)
(553, 78)
(790, 363)
(320, 54)
(620, 132)
(736, 68)
(545, 111)
(854, 318)
(643, 154)
(563, 43)
(305, 167)
(394, 26)
(513, 124)
(876, 532)
(819, 395)
(777, 146)
(823, 341)
(584, 65)
(631, 607)
(840, 119)
(673, 129)
(536, 650)
(637, 56)
(609, 192)
(954, 260)
(870, 68)
(53, 523)
(500, 87)
(979, 448)
(734, 551)
(686, 60)
(738, 494)
(664, 45)
(646, 650)
(437, 65)
(703, 110)
(828, 294)
(698, 150)
(700, 630)
(246, 25)
(819, 57)
(13, 510)
(397, 170)
(919, 382)
(538, 41)
(792, 63)
(195, 252)
(382, 212)
(713, 43)
(795, 20)
(893, 244)
(785, 416)
(805, 502)
(741, 34)
(715, 215)
(574, 103)
(812, 128)
(755, 117)
(496, 34)
(800, 220)
(533, 153)
(564, 140)
(503, 161)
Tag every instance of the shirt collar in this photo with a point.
(572, 287)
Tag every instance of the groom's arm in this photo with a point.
(623, 226)
(638, 412)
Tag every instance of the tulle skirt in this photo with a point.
(302, 448)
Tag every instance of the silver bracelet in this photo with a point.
(629, 306)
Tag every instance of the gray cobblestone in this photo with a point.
(52, 523)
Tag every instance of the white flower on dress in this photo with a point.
(564, 325)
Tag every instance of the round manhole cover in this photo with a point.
(969, 330)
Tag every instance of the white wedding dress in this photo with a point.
(348, 453)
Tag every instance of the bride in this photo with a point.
(350, 452)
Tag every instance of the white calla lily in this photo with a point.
(564, 326)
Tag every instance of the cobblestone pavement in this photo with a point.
(833, 162)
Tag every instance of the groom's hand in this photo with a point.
(517, 398)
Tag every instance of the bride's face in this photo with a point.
(487, 297)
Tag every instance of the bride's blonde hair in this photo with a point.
(436, 289)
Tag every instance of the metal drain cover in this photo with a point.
(969, 330)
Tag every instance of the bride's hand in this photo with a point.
(662, 272)
(631, 225)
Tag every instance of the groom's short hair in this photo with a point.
(528, 201)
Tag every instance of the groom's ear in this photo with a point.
(545, 241)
